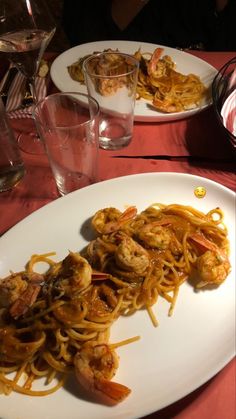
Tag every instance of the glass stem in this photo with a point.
(31, 83)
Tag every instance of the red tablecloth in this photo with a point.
(195, 145)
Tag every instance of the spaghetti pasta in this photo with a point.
(54, 323)
(167, 89)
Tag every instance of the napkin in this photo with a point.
(16, 94)
(228, 113)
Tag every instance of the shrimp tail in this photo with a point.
(101, 390)
(112, 392)
(100, 276)
(202, 242)
(127, 215)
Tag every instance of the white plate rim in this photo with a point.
(63, 82)
(7, 238)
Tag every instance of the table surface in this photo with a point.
(195, 145)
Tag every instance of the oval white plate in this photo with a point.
(185, 63)
(168, 362)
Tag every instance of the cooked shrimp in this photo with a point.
(111, 64)
(95, 365)
(13, 348)
(152, 64)
(108, 220)
(98, 252)
(155, 236)
(108, 87)
(213, 265)
(19, 292)
(104, 217)
(131, 256)
(74, 275)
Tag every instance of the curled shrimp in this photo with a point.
(213, 267)
(110, 219)
(213, 264)
(155, 236)
(19, 291)
(158, 67)
(74, 275)
(131, 256)
(95, 365)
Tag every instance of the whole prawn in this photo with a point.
(95, 365)
(109, 220)
(213, 264)
(155, 235)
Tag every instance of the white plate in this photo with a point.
(168, 362)
(186, 63)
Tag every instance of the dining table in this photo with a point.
(196, 145)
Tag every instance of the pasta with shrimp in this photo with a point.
(150, 254)
(159, 82)
(56, 323)
(167, 89)
(59, 322)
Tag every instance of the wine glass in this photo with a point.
(26, 28)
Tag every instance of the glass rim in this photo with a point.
(73, 94)
(135, 62)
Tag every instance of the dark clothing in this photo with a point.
(175, 23)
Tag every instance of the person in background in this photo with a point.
(194, 24)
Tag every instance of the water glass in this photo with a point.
(111, 78)
(68, 126)
(11, 164)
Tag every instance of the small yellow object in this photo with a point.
(200, 192)
(43, 69)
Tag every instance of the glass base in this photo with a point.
(30, 143)
(115, 133)
(11, 176)
(114, 144)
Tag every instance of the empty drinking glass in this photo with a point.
(111, 78)
(68, 126)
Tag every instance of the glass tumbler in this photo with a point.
(111, 78)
